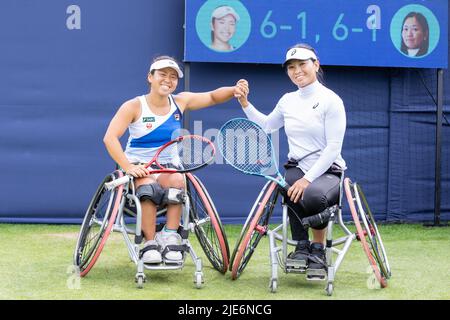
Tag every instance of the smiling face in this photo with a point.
(164, 81)
(223, 28)
(302, 72)
(412, 33)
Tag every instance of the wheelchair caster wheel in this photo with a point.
(140, 280)
(198, 280)
(329, 289)
(273, 285)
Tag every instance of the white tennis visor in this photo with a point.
(166, 63)
(222, 11)
(299, 54)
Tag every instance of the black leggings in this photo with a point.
(319, 195)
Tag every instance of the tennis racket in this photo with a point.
(183, 154)
(249, 149)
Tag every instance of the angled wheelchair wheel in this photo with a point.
(207, 225)
(254, 229)
(97, 224)
(364, 233)
(371, 230)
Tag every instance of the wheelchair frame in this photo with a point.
(277, 258)
(257, 225)
(129, 204)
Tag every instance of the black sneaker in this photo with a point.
(302, 251)
(317, 258)
(317, 264)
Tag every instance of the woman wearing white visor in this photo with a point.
(152, 119)
(223, 28)
(314, 120)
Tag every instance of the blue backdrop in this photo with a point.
(361, 32)
(65, 71)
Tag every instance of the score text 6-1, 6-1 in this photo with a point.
(340, 31)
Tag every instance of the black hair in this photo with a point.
(426, 32)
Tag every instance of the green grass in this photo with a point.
(36, 262)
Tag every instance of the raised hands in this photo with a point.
(241, 91)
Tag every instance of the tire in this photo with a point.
(207, 225)
(362, 233)
(97, 224)
(373, 235)
(254, 229)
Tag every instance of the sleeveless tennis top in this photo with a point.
(151, 131)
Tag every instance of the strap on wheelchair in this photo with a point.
(173, 247)
(152, 192)
(320, 218)
(318, 260)
(148, 248)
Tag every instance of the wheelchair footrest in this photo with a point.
(164, 265)
(173, 263)
(316, 274)
(295, 266)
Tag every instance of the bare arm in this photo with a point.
(195, 101)
(126, 114)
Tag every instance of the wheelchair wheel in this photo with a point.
(207, 225)
(97, 224)
(363, 235)
(372, 232)
(254, 229)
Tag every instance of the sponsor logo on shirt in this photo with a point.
(148, 119)
(177, 116)
(148, 125)
(316, 105)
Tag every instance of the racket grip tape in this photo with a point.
(117, 182)
(284, 189)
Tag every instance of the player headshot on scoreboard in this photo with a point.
(415, 35)
(224, 21)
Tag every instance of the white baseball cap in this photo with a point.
(166, 63)
(222, 11)
(299, 54)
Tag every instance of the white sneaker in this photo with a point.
(169, 238)
(153, 255)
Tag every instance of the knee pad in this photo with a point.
(173, 196)
(152, 191)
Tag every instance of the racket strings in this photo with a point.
(188, 153)
(246, 146)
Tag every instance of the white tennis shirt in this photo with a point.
(314, 119)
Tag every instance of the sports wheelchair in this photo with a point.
(257, 226)
(119, 210)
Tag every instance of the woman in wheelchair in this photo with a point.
(314, 120)
(152, 120)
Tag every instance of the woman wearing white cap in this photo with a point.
(151, 120)
(223, 27)
(314, 120)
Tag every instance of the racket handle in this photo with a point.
(117, 182)
(284, 189)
